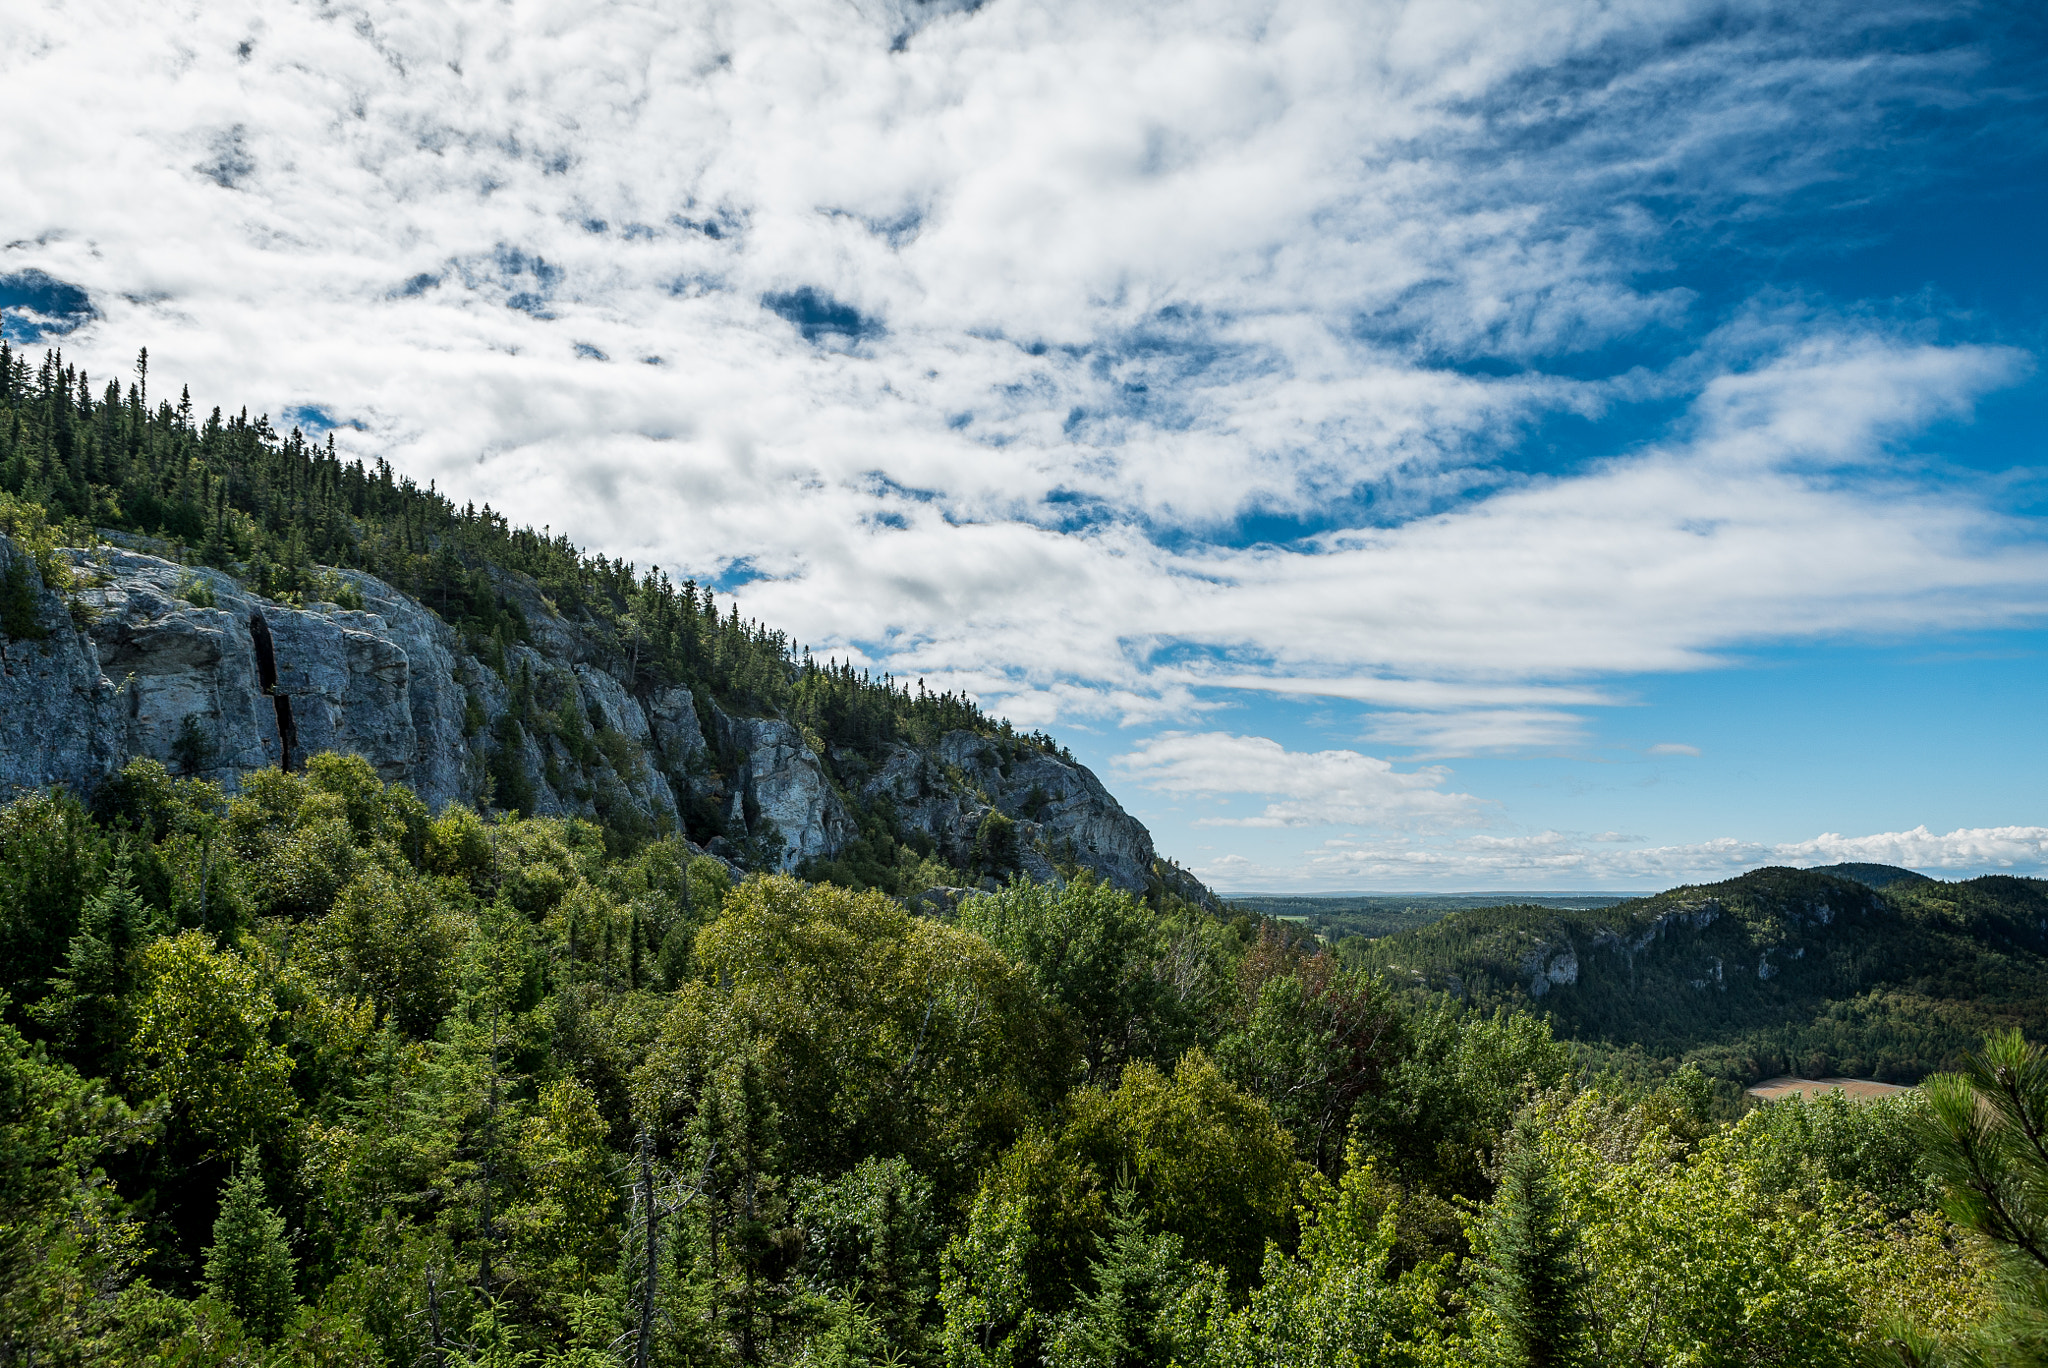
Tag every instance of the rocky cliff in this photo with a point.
(141, 656)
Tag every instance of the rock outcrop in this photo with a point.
(783, 781)
(56, 706)
(146, 657)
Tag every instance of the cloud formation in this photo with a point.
(1552, 859)
(978, 337)
(1315, 788)
(1096, 360)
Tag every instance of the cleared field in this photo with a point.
(1784, 1086)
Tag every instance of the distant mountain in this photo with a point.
(1816, 972)
(1874, 875)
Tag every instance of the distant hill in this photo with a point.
(1338, 916)
(1814, 972)
(1874, 875)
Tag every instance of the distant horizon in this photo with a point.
(1945, 876)
(1441, 893)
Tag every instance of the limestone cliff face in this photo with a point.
(56, 707)
(1063, 813)
(191, 668)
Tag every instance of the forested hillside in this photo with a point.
(1340, 916)
(1862, 970)
(314, 1075)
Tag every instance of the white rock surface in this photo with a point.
(787, 783)
(259, 683)
(56, 708)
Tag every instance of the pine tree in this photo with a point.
(1532, 1282)
(1986, 1131)
(249, 1265)
(736, 1147)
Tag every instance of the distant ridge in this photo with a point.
(1874, 875)
(1857, 970)
(1338, 916)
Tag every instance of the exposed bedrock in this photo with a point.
(142, 656)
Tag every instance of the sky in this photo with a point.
(1400, 446)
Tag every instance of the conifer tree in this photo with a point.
(82, 1009)
(1137, 1275)
(1532, 1282)
(736, 1144)
(249, 1265)
(1986, 1130)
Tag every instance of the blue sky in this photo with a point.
(1400, 446)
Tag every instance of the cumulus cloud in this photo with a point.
(981, 341)
(1310, 788)
(2008, 847)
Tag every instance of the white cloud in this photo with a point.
(1088, 286)
(1477, 730)
(1157, 270)
(1672, 748)
(2020, 848)
(1311, 788)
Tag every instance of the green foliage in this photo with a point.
(1090, 948)
(995, 845)
(1138, 1278)
(193, 748)
(390, 1086)
(1987, 1133)
(249, 1266)
(1338, 1301)
(28, 525)
(885, 1033)
(871, 1239)
(1532, 1281)
(83, 1010)
(1457, 1091)
(1312, 1040)
(202, 1041)
(64, 1237)
(393, 939)
(1697, 1255)
(52, 859)
(1207, 1163)
(19, 615)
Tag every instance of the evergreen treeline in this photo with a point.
(315, 1076)
(1778, 971)
(273, 508)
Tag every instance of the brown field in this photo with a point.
(1777, 1089)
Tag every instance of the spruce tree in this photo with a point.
(249, 1266)
(1137, 1275)
(82, 1010)
(1532, 1281)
